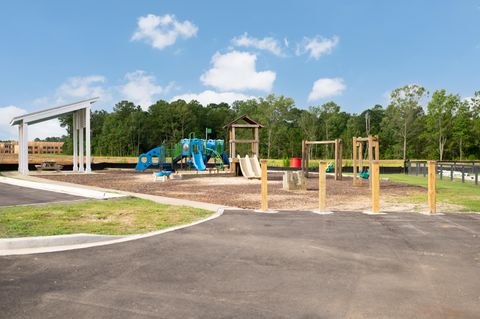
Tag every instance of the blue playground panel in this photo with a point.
(146, 160)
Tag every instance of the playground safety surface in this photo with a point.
(254, 265)
(244, 193)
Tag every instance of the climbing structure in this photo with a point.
(146, 160)
(189, 152)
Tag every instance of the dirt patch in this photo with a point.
(244, 193)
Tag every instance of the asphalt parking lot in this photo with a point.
(11, 195)
(251, 265)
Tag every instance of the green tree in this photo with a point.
(441, 110)
(403, 113)
(462, 127)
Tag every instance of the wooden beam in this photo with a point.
(322, 186)
(243, 141)
(338, 159)
(370, 156)
(307, 158)
(319, 142)
(354, 157)
(232, 139)
(365, 139)
(257, 142)
(264, 186)
(245, 126)
(432, 204)
(360, 156)
(375, 180)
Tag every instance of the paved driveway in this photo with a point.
(248, 265)
(16, 195)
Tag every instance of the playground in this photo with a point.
(244, 193)
(205, 170)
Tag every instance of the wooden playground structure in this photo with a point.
(243, 122)
(373, 151)
(338, 155)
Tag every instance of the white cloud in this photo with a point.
(9, 112)
(142, 89)
(318, 46)
(163, 31)
(76, 88)
(323, 88)
(40, 130)
(208, 96)
(236, 71)
(268, 44)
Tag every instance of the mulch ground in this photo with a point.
(244, 193)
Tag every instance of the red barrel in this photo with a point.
(296, 162)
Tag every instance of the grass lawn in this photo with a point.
(120, 216)
(450, 192)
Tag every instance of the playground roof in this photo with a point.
(51, 113)
(245, 118)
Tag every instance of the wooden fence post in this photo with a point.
(354, 156)
(375, 184)
(264, 186)
(322, 186)
(432, 204)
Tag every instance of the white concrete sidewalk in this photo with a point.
(86, 188)
(65, 189)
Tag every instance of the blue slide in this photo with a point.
(198, 161)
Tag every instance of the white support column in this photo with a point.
(81, 152)
(20, 149)
(75, 142)
(25, 147)
(87, 140)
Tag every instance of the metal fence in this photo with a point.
(452, 170)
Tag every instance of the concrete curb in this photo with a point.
(57, 242)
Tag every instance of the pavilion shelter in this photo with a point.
(81, 132)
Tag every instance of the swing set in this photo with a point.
(373, 153)
(334, 166)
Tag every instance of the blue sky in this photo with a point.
(351, 52)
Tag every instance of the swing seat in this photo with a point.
(365, 174)
(330, 167)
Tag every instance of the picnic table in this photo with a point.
(49, 166)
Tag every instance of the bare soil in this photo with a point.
(244, 193)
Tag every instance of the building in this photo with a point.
(33, 147)
(8, 147)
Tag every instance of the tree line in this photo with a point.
(414, 125)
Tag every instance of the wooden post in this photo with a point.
(340, 159)
(257, 143)
(432, 205)
(234, 146)
(322, 186)
(336, 159)
(370, 157)
(360, 156)
(354, 157)
(375, 181)
(377, 149)
(264, 186)
(303, 158)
